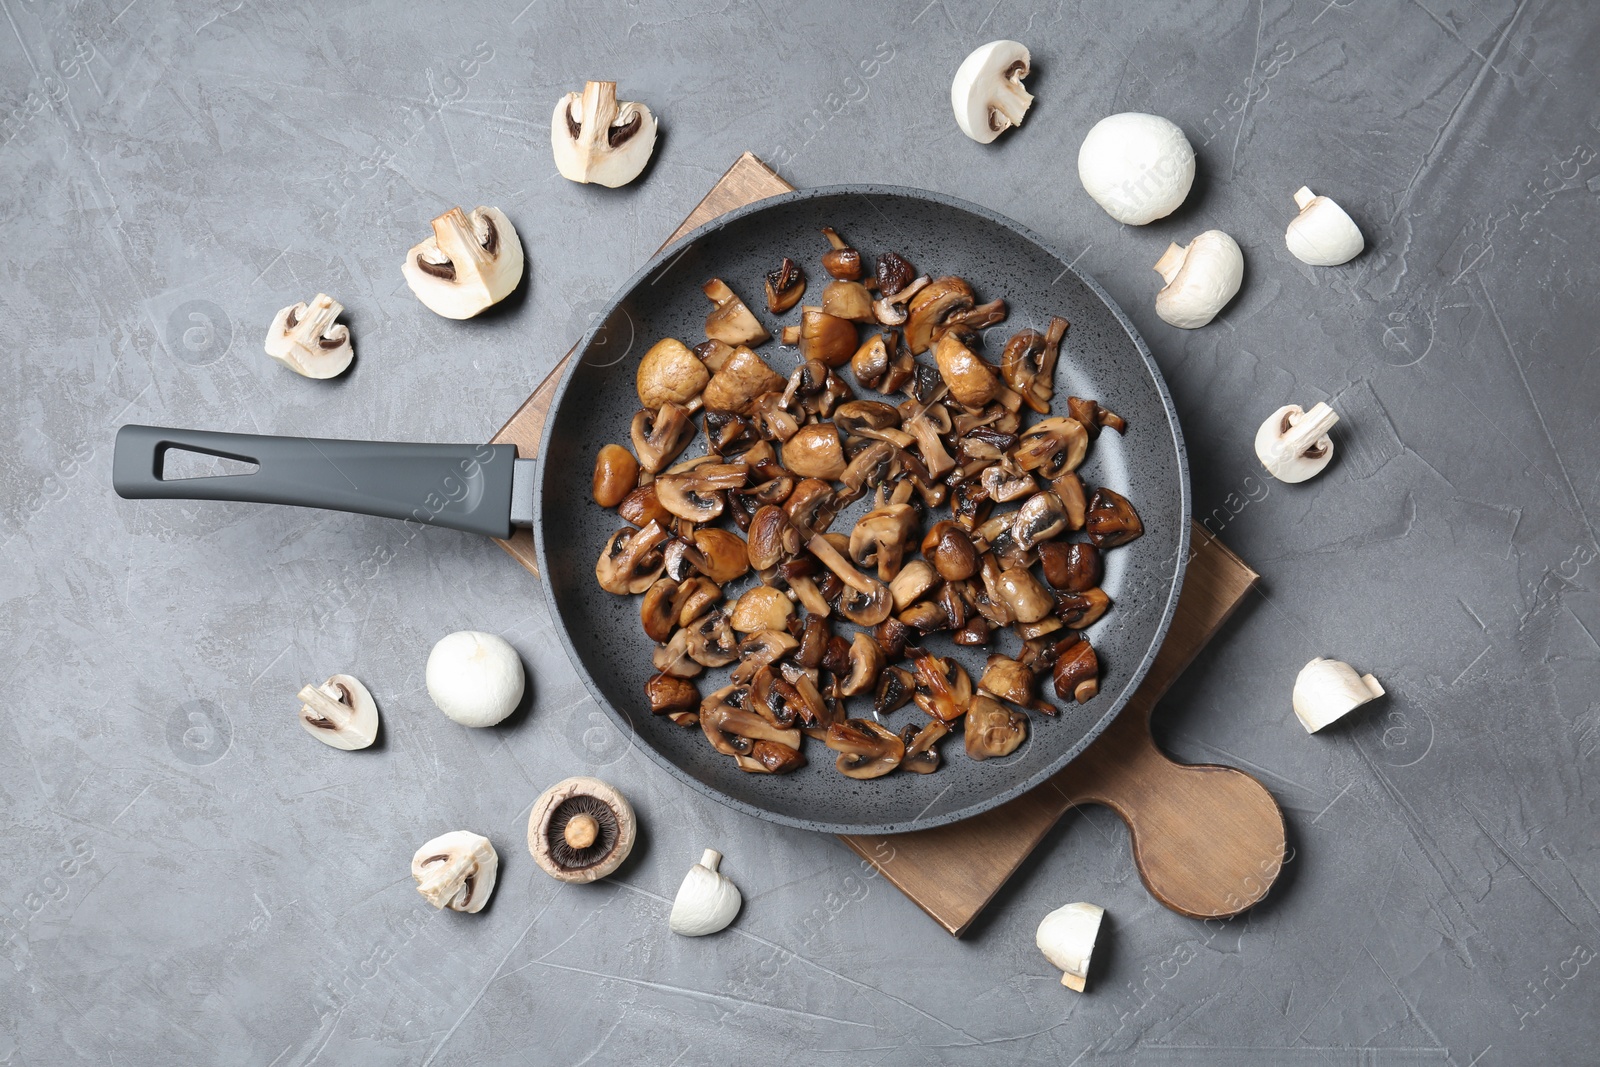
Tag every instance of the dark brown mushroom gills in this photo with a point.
(581, 809)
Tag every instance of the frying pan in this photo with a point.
(485, 489)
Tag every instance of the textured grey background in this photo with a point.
(187, 878)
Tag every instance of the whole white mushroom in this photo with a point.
(475, 678)
(1138, 167)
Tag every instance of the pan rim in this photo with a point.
(666, 256)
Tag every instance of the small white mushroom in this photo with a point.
(1066, 937)
(306, 339)
(707, 900)
(1294, 444)
(456, 871)
(1328, 690)
(340, 713)
(596, 139)
(474, 677)
(987, 94)
(1138, 167)
(1201, 278)
(1322, 235)
(469, 264)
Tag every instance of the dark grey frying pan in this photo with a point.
(485, 489)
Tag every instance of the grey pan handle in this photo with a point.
(463, 487)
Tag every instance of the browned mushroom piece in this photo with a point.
(870, 467)
(669, 373)
(744, 503)
(847, 300)
(1082, 610)
(658, 609)
(725, 556)
(733, 728)
(713, 353)
(731, 322)
(1071, 568)
(772, 538)
(892, 635)
(1068, 488)
(967, 322)
(743, 377)
(949, 548)
(975, 633)
(973, 383)
(658, 436)
(840, 260)
(1003, 482)
(789, 698)
(892, 309)
(616, 473)
(641, 507)
(760, 608)
(924, 428)
(927, 616)
(728, 432)
(668, 695)
(866, 749)
(970, 503)
(785, 286)
(631, 560)
(772, 419)
(827, 338)
(871, 420)
(866, 600)
(673, 657)
(813, 641)
(896, 686)
(1040, 518)
(696, 596)
(992, 729)
(997, 533)
(916, 578)
(880, 536)
(812, 506)
(815, 452)
(931, 307)
(1077, 673)
(580, 830)
(697, 494)
(1029, 364)
(1111, 520)
(921, 757)
(894, 273)
(943, 687)
(1024, 597)
(1008, 679)
(711, 642)
(761, 649)
(768, 757)
(1051, 447)
(1093, 416)
(866, 663)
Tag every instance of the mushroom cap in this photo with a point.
(1326, 690)
(1138, 167)
(1067, 936)
(569, 799)
(987, 94)
(670, 373)
(594, 138)
(306, 339)
(707, 901)
(469, 264)
(475, 678)
(456, 870)
(1322, 235)
(1201, 278)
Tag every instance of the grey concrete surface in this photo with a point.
(188, 879)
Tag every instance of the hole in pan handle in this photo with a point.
(481, 489)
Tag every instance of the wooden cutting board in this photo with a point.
(1208, 840)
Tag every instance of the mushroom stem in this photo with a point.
(581, 831)
(1171, 262)
(1307, 430)
(710, 859)
(1303, 196)
(455, 238)
(834, 560)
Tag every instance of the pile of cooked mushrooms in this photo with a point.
(971, 488)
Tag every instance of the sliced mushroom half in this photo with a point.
(456, 871)
(308, 339)
(866, 749)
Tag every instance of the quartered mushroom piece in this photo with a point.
(597, 139)
(670, 374)
(866, 749)
(992, 729)
(340, 713)
(581, 829)
(469, 264)
(308, 339)
(456, 871)
(785, 286)
(1293, 444)
(987, 94)
(731, 321)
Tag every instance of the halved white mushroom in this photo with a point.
(1327, 690)
(1293, 444)
(1066, 937)
(707, 901)
(1138, 167)
(469, 264)
(596, 139)
(456, 871)
(1201, 278)
(987, 94)
(340, 713)
(306, 339)
(1322, 235)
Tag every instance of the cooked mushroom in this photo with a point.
(1093, 417)
(658, 611)
(1111, 520)
(785, 286)
(670, 374)
(1068, 488)
(1027, 600)
(711, 642)
(1071, 568)
(992, 729)
(641, 507)
(761, 608)
(1077, 673)
(616, 473)
(696, 494)
(1029, 364)
(456, 871)
(914, 579)
(596, 139)
(1039, 519)
(881, 363)
(1082, 610)
(340, 713)
(949, 548)
(1002, 482)
(733, 729)
(920, 755)
(1053, 446)
(309, 341)
(772, 538)
(814, 452)
(847, 300)
(631, 559)
(972, 382)
(673, 657)
(866, 749)
(824, 337)
(866, 663)
(658, 436)
(669, 695)
(921, 426)
(866, 601)
(467, 265)
(890, 308)
(768, 757)
(761, 649)
(1007, 679)
(581, 830)
(731, 322)
(696, 597)
(812, 506)
(943, 687)
(880, 537)
(931, 307)
(840, 260)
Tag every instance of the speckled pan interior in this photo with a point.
(1102, 357)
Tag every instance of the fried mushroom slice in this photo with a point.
(1040, 518)
(1077, 673)
(865, 601)
(731, 322)
(1082, 610)
(896, 687)
(733, 728)
(973, 383)
(711, 641)
(992, 729)
(1111, 520)
(866, 663)
(670, 696)
(724, 552)
(673, 657)
(658, 609)
(930, 308)
(880, 537)
(943, 687)
(1007, 679)
(697, 495)
(785, 286)
(761, 649)
(1051, 447)
(631, 560)
(743, 377)
(921, 757)
(1070, 568)
(866, 749)
(1028, 364)
(658, 436)
(840, 260)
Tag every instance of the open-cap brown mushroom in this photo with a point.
(992, 729)
(880, 537)
(731, 322)
(456, 871)
(1053, 446)
(631, 560)
(658, 436)
(308, 339)
(467, 265)
(735, 729)
(581, 830)
(866, 601)
(670, 374)
(944, 688)
(1111, 519)
(1008, 679)
(785, 286)
(596, 139)
(1029, 364)
(340, 713)
(920, 755)
(866, 749)
(742, 378)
